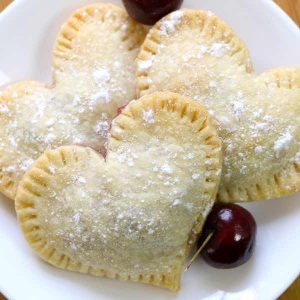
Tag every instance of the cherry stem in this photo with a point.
(199, 251)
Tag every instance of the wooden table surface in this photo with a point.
(292, 8)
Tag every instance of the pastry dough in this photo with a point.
(135, 214)
(93, 76)
(194, 53)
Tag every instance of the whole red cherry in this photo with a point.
(150, 11)
(233, 231)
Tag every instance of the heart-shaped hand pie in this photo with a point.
(195, 54)
(93, 76)
(135, 215)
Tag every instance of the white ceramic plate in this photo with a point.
(27, 31)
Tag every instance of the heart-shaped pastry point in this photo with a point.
(93, 72)
(135, 215)
(195, 54)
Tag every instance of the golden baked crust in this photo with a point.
(196, 54)
(135, 214)
(94, 74)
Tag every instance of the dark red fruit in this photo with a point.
(233, 231)
(120, 110)
(150, 11)
(103, 152)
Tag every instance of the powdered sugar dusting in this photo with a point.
(101, 96)
(253, 126)
(101, 76)
(169, 25)
(212, 84)
(206, 210)
(10, 169)
(52, 169)
(132, 199)
(177, 202)
(196, 176)
(166, 169)
(258, 149)
(238, 107)
(102, 126)
(26, 164)
(12, 141)
(145, 65)
(148, 116)
(282, 143)
(219, 49)
(3, 108)
(97, 77)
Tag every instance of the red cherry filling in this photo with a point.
(120, 110)
(103, 150)
(233, 231)
(150, 11)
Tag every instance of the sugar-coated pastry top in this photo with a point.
(194, 53)
(93, 73)
(137, 213)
